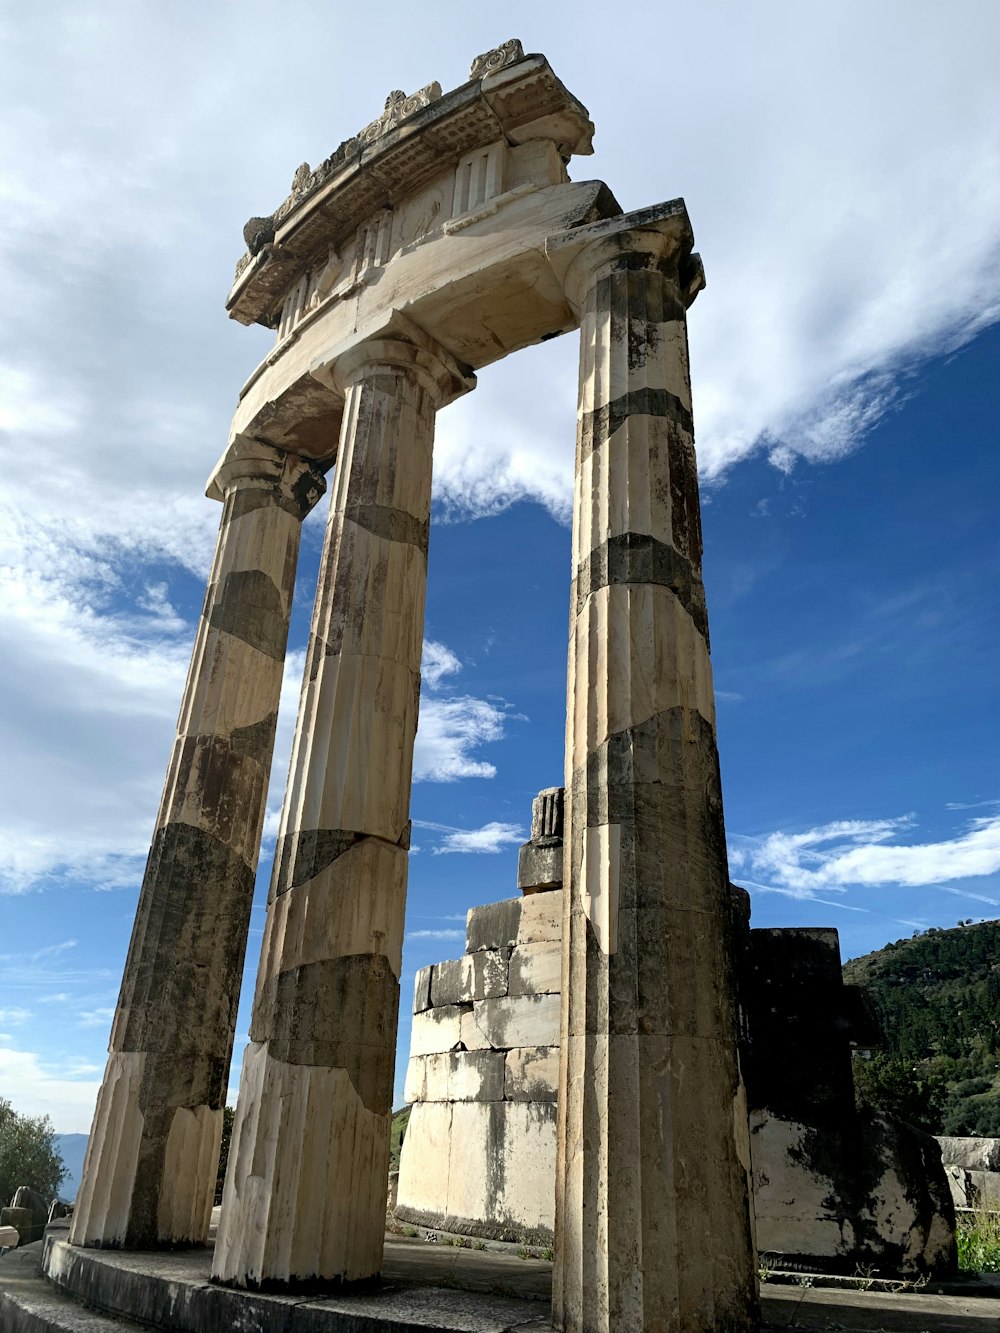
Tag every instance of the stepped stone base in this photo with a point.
(426, 1289)
(462, 1293)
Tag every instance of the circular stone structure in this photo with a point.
(442, 237)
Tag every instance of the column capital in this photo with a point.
(294, 482)
(399, 344)
(658, 237)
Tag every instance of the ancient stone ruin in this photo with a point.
(835, 1189)
(442, 237)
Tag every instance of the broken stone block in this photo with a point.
(452, 981)
(20, 1221)
(540, 860)
(422, 989)
(870, 1192)
(963, 1192)
(532, 1074)
(525, 1020)
(492, 926)
(974, 1154)
(539, 868)
(535, 969)
(986, 1187)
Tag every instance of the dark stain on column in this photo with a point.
(395, 525)
(597, 427)
(316, 1014)
(199, 932)
(636, 557)
(640, 307)
(256, 741)
(173, 1078)
(229, 778)
(250, 608)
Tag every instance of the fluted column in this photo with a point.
(654, 1220)
(149, 1175)
(305, 1192)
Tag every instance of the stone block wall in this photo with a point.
(972, 1166)
(833, 1188)
(483, 1076)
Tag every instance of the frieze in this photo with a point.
(384, 162)
(398, 107)
(507, 53)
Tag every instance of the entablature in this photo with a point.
(510, 128)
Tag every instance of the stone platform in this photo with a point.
(427, 1289)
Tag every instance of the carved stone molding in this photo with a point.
(395, 154)
(507, 53)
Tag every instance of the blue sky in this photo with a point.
(845, 362)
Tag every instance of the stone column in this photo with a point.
(305, 1193)
(149, 1175)
(654, 1216)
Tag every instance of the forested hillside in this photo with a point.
(938, 995)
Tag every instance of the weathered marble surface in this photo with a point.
(540, 859)
(149, 1174)
(304, 1196)
(654, 1225)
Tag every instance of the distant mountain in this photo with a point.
(938, 996)
(72, 1148)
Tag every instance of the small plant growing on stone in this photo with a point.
(866, 1274)
(479, 1245)
(547, 1253)
(978, 1237)
(523, 1253)
(409, 1231)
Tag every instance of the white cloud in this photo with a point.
(96, 1018)
(437, 662)
(851, 853)
(37, 1087)
(435, 935)
(14, 1016)
(491, 838)
(450, 730)
(849, 224)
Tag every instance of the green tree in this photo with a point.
(28, 1154)
(898, 1090)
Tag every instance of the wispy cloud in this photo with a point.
(435, 934)
(437, 662)
(489, 839)
(95, 1018)
(850, 853)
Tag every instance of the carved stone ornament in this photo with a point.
(257, 233)
(397, 107)
(508, 53)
